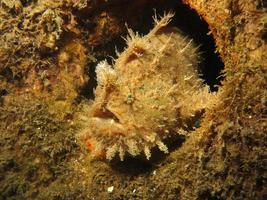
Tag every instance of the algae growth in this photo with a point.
(48, 57)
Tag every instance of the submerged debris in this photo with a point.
(152, 92)
(110, 189)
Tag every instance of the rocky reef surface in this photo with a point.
(54, 88)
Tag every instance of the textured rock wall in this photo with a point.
(48, 55)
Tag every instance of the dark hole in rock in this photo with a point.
(3, 92)
(185, 19)
(132, 165)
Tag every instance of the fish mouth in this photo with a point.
(105, 113)
(107, 122)
(108, 126)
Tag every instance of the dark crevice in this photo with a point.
(3, 92)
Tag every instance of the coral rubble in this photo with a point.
(152, 93)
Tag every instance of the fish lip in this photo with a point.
(108, 126)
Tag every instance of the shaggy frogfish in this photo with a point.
(149, 94)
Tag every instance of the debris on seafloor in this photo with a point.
(152, 92)
(110, 189)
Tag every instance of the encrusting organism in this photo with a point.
(151, 93)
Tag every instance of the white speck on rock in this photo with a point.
(110, 189)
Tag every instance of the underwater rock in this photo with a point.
(152, 92)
